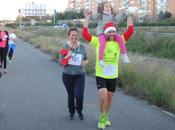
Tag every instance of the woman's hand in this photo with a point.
(69, 54)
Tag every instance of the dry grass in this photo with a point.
(152, 79)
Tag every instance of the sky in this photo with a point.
(9, 8)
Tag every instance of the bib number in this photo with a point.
(76, 59)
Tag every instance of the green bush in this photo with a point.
(152, 44)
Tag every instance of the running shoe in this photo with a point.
(71, 116)
(107, 121)
(101, 122)
(81, 117)
(5, 71)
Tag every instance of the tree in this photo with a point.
(72, 14)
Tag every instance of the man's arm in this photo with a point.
(85, 31)
(86, 34)
(130, 29)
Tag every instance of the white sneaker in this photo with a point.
(5, 71)
(125, 58)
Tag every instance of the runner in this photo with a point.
(12, 45)
(107, 74)
(73, 60)
(3, 49)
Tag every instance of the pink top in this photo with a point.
(3, 36)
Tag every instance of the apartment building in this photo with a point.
(170, 7)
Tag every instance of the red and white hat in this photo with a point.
(109, 27)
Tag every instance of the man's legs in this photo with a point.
(109, 100)
(106, 88)
(108, 106)
(102, 99)
(102, 104)
(105, 101)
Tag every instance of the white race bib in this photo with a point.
(76, 59)
(109, 70)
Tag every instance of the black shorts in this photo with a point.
(110, 84)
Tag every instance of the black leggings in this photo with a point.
(3, 57)
(74, 85)
(10, 54)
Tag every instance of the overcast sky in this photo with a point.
(9, 8)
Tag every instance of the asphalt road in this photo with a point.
(32, 97)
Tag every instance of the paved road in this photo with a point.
(32, 97)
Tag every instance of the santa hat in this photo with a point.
(109, 27)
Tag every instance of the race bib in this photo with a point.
(109, 70)
(76, 59)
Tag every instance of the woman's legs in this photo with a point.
(3, 59)
(79, 91)
(75, 88)
(68, 83)
(1, 54)
(102, 40)
(122, 45)
(10, 54)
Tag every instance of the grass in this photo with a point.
(154, 83)
(151, 44)
(150, 76)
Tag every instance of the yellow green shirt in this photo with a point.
(111, 57)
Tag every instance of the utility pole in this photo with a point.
(20, 17)
(54, 19)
